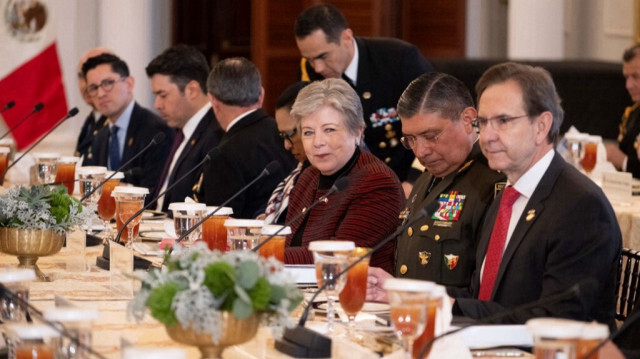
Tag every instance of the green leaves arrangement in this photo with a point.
(41, 207)
(197, 284)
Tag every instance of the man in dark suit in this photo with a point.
(551, 227)
(250, 142)
(131, 127)
(179, 81)
(626, 155)
(378, 69)
(94, 120)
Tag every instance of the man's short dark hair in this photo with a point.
(538, 91)
(117, 65)
(325, 17)
(435, 92)
(182, 64)
(235, 82)
(631, 53)
(288, 96)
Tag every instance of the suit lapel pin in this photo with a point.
(130, 143)
(531, 214)
(366, 95)
(193, 142)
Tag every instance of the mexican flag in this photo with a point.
(29, 69)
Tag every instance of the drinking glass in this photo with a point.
(275, 246)
(409, 300)
(17, 281)
(66, 172)
(353, 295)
(33, 341)
(592, 334)
(4, 162)
(107, 204)
(185, 217)
(331, 258)
(575, 146)
(213, 231)
(77, 322)
(129, 201)
(590, 155)
(89, 178)
(554, 337)
(46, 166)
(243, 234)
(434, 310)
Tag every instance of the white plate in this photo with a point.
(153, 235)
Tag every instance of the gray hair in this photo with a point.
(330, 92)
(235, 82)
(538, 91)
(435, 92)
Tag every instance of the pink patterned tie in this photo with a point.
(496, 243)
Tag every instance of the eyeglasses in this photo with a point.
(286, 135)
(498, 123)
(107, 85)
(409, 142)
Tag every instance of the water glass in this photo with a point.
(89, 178)
(185, 217)
(46, 167)
(17, 281)
(77, 322)
(409, 300)
(243, 234)
(331, 258)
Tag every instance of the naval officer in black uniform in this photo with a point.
(437, 114)
(379, 69)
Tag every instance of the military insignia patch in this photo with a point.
(450, 206)
(498, 187)
(451, 261)
(424, 257)
(383, 116)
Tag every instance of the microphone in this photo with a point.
(57, 326)
(9, 105)
(588, 286)
(339, 185)
(301, 342)
(215, 152)
(158, 138)
(269, 169)
(72, 112)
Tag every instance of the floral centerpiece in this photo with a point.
(41, 207)
(197, 288)
(34, 221)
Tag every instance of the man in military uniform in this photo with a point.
(378, 69)
(626, 155)
(437, 114)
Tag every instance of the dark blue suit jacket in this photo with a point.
(143, 126)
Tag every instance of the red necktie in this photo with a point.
(496, 243)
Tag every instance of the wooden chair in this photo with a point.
(627, 282)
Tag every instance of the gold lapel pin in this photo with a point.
(531, 214)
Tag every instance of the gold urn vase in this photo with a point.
(234, 331)
(29, 245)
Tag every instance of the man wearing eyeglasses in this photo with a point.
(436, 111)
(95, 120)
(551, 227)
(131, 127)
